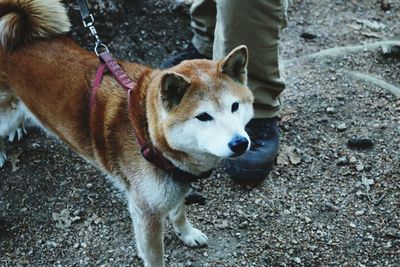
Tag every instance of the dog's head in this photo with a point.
(205, 105)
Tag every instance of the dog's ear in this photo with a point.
(235, 64)
(173, 88)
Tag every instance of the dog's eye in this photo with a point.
(204, 117)
(235, 107)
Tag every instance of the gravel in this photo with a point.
(324, 204)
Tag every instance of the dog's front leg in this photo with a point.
(150, 239)
(19, 133)
(191, 236)
(148, 228)
(3, 156)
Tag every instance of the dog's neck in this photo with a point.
(154, 134)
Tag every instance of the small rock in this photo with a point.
(297, 260)
(342, 161)
(307, 219)
(323, 119)
(243, 224)
(307, 158)
(308, 36)
(222, 225)
(359, 212)
(330, 110)
(341, 127)
(360, 167)
(51, 244)
(286, 127)
(372, 24)
(390, 51)
(313, 247)
(385, 5)
(360, 142)
(286, 212)
(367, 182)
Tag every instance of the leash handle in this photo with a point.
(88, 22)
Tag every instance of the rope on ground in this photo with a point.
(374, 80)
(340, 51)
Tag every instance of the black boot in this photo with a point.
(254, 166)
(190, 53)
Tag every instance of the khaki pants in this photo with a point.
(221, 25)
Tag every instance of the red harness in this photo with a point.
(149, 152)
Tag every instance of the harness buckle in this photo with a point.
(89, 22)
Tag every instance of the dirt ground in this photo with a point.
(325, 204)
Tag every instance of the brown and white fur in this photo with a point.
(46, 77)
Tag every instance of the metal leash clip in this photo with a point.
(88, 22)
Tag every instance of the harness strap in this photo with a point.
(121, 77)
(96, 85)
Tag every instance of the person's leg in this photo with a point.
(203, 16)
(256, 24)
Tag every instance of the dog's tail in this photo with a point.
(24, 20)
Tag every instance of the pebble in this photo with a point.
(313, 247)
(360, 167)
(308, 35)
(307, 158)
(297, 260)
(307, 219)
(341, 127)
(286, 127)
(342, 161)
(51, 244)
(359, 212)
(360, 142)
(330, 110)
(243, 224)
(223, 224)
(286, 212)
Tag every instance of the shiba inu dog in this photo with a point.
(194, 114)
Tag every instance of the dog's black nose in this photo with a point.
(239, 145)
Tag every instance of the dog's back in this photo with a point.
(49, 75)
(21, 22)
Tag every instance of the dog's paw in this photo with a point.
(19, 133)
(193, 238)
